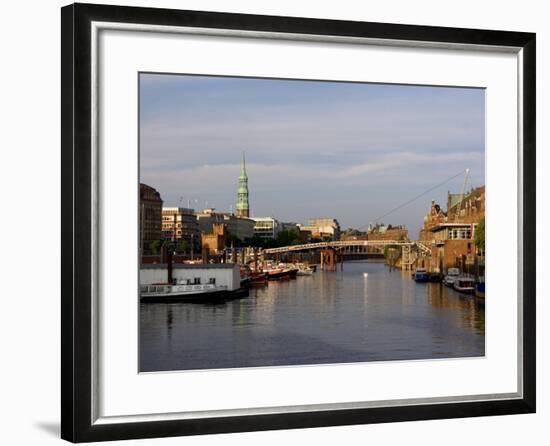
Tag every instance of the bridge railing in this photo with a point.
(424, 247)
(337, 244)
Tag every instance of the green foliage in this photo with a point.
(286, 238)
(183, 247)
(234, 241)
(256, 241)
(479, 237)
(156, 246)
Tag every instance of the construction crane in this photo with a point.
(462, 193)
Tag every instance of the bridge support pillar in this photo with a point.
(329, 259)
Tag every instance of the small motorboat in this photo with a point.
(304, 270)
(450, 277)
(421, 275)
(465, 285)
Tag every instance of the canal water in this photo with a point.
(330, 317)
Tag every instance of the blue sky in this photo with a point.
(347, 150)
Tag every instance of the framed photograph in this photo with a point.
(280, 222)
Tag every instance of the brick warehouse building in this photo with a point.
(389, 232)
(452, 234)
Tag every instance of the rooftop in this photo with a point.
(450, 225)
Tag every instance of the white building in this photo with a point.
(323, 228)
(220, 274)
(266, 227)
(180, 224)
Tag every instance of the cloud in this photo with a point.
(312, 148)
(405, 161)
(272, 177)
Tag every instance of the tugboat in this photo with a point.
(421, 275)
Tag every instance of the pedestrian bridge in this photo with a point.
(342, 244)
(410, 249)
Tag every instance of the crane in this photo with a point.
(459, 204)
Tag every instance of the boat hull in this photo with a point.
(421, 276)
(278, 275)
(480, 290)
(304, 273)
(200, 297)
(464, 290)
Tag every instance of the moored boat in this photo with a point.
(282, 273)
(258, 278)
(182, 292)
(464, 284)
(450, 277)
(421, 275)
(480, 289)
(304, 270)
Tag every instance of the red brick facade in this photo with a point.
(451, 235)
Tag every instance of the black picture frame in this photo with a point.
(76, 280)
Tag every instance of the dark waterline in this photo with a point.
(326, 318)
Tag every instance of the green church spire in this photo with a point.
(242, 192)
(243, 169)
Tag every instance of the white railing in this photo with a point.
(167, 289)
(423, 246)
(336, 244)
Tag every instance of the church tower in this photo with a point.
(242, 192)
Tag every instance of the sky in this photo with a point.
(352, 151)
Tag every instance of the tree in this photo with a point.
(479, 237)
(183, 247)
(287, 237)
(234, 241)
(256, 241)
(157, 245)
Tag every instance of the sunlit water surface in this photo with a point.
(326, 318)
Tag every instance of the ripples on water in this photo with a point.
(326, 318)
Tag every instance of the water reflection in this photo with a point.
(330, 317)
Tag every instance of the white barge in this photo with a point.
(190, 283)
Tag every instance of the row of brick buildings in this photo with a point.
(451, 234)
(378, 232)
